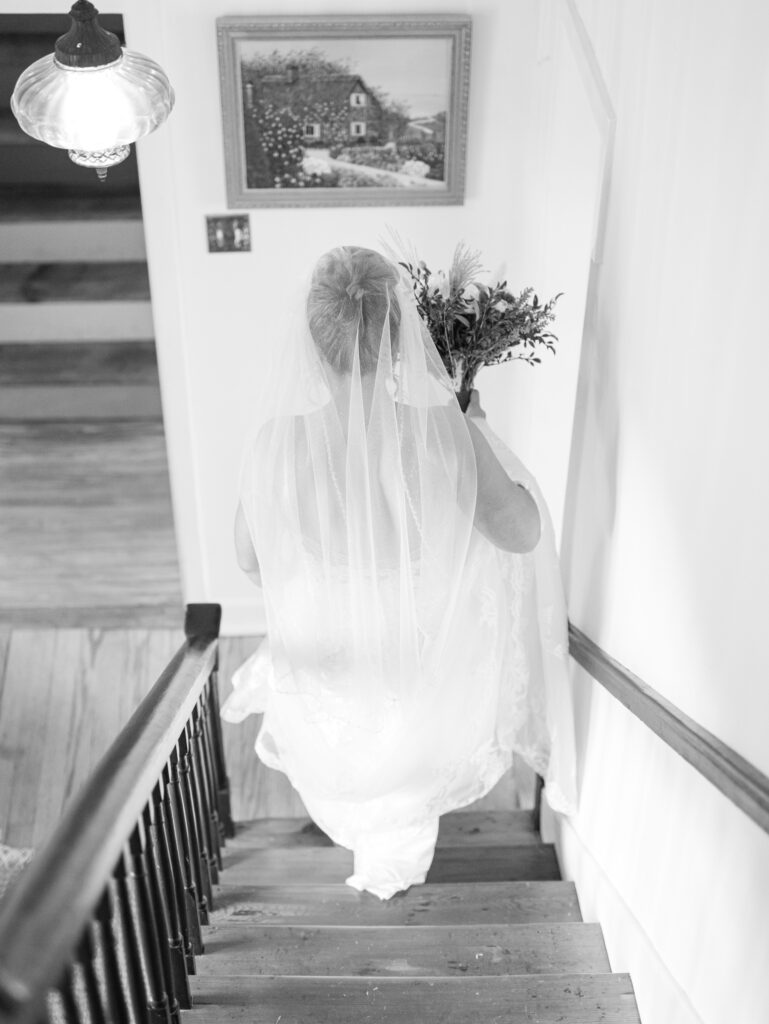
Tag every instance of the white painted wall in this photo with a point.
(664, 542)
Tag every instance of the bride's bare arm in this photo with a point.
(244, 548)
(505, 512)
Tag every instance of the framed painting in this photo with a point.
(344, 111)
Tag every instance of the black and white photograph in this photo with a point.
(344, 111)
(384, 439)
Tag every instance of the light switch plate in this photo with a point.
(229, 234)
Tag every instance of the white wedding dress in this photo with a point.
(407, 658)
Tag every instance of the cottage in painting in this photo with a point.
(328, 109)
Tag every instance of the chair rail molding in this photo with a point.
(733, 775)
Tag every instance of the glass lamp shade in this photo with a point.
(94, 112)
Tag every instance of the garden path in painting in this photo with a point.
(339, 113)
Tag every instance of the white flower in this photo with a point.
(501, 306)
(439, 283)
(470, 297)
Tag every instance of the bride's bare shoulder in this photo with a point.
(282, 440)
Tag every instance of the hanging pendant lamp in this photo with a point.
(91, 96)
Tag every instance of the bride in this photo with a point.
(401, 668)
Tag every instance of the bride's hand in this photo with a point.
(505, 512)
(474, 410)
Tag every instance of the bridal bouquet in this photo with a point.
(474, 324)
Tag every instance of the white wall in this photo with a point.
(217, 315)
(664, 545)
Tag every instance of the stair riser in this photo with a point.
(72, 241)
(75, 321)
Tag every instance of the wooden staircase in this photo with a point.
(84, 481)
(72, 267)
(494, 936)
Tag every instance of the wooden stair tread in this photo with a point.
(462, 903)
(314, 865)
(74, 463)
(74, 282)
(430, 951)
(102, 616)
(460, 828)
(87, 525)
(99, 402)
(546, 999)
(78, 363)
(64, 203)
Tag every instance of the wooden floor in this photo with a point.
(65, 694)
(86, 526)
(86, 531)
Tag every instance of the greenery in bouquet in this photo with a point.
(474, 324)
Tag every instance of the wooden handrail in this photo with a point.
(43, 916)
(732, 774)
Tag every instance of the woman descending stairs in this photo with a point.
(493, 936)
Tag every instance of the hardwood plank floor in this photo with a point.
(66, 693)
(544, 999)
(469, 950)
(64, 696)
(336, 904)
(86, 523)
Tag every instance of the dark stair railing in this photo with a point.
(104, 925)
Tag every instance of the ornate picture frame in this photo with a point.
(344, 111)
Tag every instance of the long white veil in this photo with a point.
(407, 658)
(361, 473)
